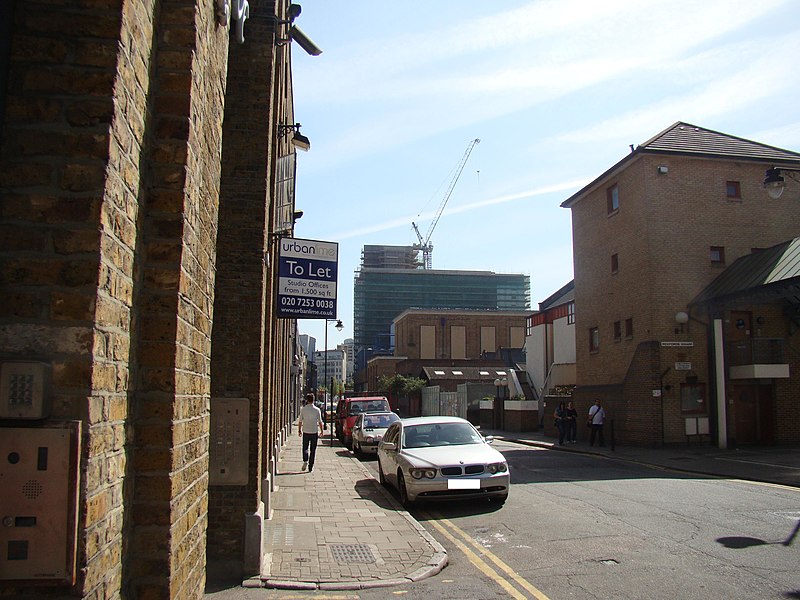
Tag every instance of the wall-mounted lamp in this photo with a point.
(775, 180)
(297, 215)
(681, 318)
(663, 170)
(300, 141)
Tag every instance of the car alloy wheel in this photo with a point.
(401, 487)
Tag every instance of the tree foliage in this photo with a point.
(398, 386)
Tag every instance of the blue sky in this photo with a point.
(555, 90)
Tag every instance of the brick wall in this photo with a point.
(110, 171)
(661, 234)
(407, 328)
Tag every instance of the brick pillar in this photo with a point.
(242, 339)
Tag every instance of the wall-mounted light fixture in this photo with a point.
(663, 170)
(299, 141)
(775, 180)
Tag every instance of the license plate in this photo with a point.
(463, 484)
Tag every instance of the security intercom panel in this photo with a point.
(38, 505)
(230, 448)
(24, 390)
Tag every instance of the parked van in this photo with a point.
(348, 410)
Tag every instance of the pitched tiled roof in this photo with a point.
(684, 138)
(769, 273)
(687, 139)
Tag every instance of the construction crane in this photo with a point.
(425, 243)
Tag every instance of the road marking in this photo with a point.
(476, 560)
(442, 526)
(496, 560)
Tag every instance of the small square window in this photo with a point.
(612, 199)
(594, 339)
(628, 328)
(614, 263)
(617, 331)
(733, 189)
(717, 254)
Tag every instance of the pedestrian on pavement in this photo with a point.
(597, 417)
(560, 417)
(572, 423)
(310, 420)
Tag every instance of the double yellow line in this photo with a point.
(481, 556)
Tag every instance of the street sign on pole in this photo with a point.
(307, 276)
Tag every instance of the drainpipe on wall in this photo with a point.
(719, 367)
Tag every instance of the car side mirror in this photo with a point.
(489, 439)
(389, 446)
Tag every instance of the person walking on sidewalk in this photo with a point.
(572, 423)
(310, 420)
(597, 417)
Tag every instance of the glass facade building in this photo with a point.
(380, 294)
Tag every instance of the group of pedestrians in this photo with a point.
(566, 420)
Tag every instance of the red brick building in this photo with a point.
(649, 235)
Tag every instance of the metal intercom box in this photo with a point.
(229, 451)
(39, 479)
(24, 390)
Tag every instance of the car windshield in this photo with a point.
(379, 421)
(440, 434)
(356, 408)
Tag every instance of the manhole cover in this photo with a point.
(352, 553)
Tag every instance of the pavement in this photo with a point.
(337, 528)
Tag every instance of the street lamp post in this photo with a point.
(339, 327)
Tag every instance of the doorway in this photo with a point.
(753, 414)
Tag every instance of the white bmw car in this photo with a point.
(439, 458)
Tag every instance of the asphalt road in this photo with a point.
(584, 527)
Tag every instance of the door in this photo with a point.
(753, 413)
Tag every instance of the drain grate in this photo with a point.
(352, 553)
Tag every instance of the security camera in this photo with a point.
(305, 42)
(293, 11)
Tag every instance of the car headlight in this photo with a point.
(422, 473)
(369, 439)
(497, 468)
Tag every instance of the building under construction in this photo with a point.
(391, 280)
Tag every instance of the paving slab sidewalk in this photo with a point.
(337, 528)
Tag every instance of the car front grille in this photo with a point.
(467, 470)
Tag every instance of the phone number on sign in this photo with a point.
(307, 302)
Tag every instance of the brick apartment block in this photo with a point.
(650, 234)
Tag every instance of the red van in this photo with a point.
(348, 410)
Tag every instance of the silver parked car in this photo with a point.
(369, 429)
(438, 458)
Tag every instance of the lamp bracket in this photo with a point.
(286, 129)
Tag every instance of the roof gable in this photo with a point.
(690, 140)
(685, 138)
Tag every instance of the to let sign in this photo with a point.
(308, 271)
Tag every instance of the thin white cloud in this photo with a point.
(409, 91)
(406, 221)
(758, 79)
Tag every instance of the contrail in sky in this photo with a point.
(404, 221)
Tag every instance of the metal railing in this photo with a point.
(755, 351)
